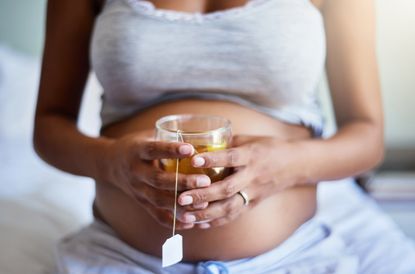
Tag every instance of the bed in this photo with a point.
(39, 204)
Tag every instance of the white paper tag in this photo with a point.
(172, 251)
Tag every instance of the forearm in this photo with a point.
(356, 148)
(58, 142)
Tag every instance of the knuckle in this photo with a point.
(229, 189)
(218, 222)
(167, 149)
(210, 160)
(229, 209)
(232, 157)
(203, 215)
(189, 181)
(157, 178)
(172, 149)
(199, 197)
(183, 182)
(233, 211)
(214, 159)
(150, 149)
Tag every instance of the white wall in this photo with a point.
(21, 24)
(396, 53)
(396, 58)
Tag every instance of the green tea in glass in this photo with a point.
(205, 132)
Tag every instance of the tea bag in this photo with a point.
(172, 250)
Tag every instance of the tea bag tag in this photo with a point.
(172, 252)
(172, 249)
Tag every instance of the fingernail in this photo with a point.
(189, 218)
(202, 181)
(185, 149)
(204, 225)
(201, 206)
(186, 200)
(198, 161)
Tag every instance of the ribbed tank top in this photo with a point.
(267, 55)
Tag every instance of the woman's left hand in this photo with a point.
(263, 166)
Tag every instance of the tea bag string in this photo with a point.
(176, 184)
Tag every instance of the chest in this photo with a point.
(199, 6)
(276, 46)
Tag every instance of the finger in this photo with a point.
(222, 221)
(218, 191)
(231, 157)
(155, 197)
(164, 214)
(165, 218)
(160, 179)
(216, 210)
(256, 194)
(232, 215)
(151, 150)
(160, 199)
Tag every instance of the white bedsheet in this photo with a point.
(38, 205)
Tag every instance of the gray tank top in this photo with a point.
(267, 55)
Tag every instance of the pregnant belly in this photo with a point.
(256, 231)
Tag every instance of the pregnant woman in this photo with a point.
(254, 62)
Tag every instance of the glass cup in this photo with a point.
(205, 132)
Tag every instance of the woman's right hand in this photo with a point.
(129, 164)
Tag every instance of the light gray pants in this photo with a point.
(311, 249)
(351, 235)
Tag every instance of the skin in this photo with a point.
(282, 163)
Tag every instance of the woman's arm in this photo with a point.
(354, 84)
(65, 70)
(266, 165)
(125, 163)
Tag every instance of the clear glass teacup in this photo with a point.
(205, 132)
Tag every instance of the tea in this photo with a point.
(185, 166)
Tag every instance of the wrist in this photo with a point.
(303, 158)
(316, 160)
(103, 161)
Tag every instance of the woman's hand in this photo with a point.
(129, 165)
(263, 165)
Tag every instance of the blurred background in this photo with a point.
(31, 195)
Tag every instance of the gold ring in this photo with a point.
(245, 197)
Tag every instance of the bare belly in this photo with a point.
(258, 230)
